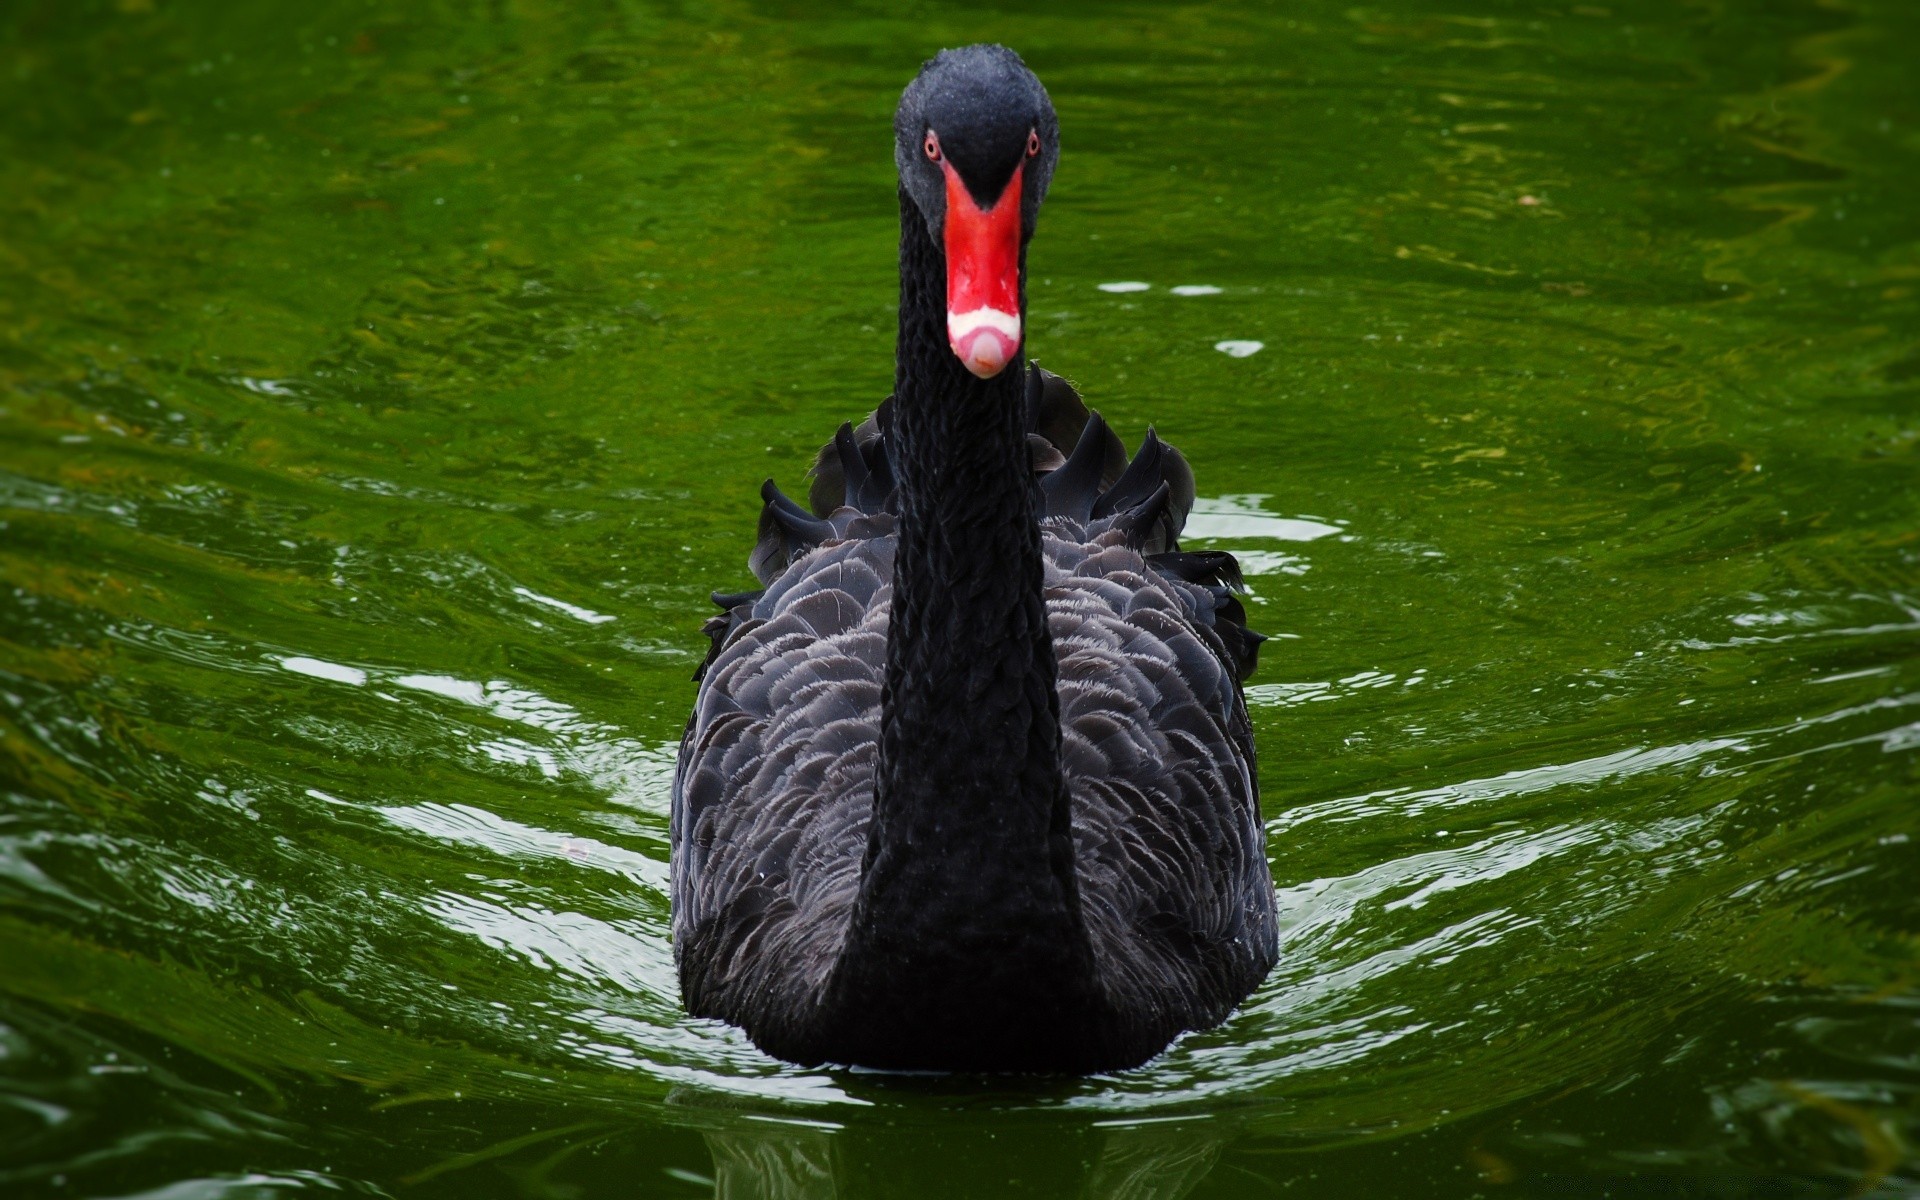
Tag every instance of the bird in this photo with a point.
(969, 783)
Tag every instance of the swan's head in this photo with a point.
(976, 139)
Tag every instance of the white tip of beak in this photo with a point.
(988, 357)
(985, 340)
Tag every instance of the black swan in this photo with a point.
(969, 786)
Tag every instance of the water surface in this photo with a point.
(382, 392)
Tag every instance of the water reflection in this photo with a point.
(771, 1159)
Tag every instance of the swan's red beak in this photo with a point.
(983, 275)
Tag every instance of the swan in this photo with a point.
(969, 783)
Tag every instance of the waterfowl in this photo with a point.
(969, 782)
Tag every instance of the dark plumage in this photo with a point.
(970, 784)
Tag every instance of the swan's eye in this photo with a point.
(1033, 144)
(933, 146)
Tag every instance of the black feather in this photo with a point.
(719, 629)
(1205, 567)
(796, 520)
(879, 472)
(1137, 482)
(1072, 490)
(786, 532)
(1036, 398)
(1056, 412)
(866, 488)
(1148, 525)
(1179, 477)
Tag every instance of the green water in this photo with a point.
(382, 391)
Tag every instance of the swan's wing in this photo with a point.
(1158, 755)
(1091, 485)
(774, 786)
(1156, 744)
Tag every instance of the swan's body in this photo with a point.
(970, 785)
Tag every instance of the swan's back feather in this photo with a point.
(776, 774)
(1075, 488)
(1057, 415)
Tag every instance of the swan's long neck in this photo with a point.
(967, 915)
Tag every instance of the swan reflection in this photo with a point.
(775, 1159)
